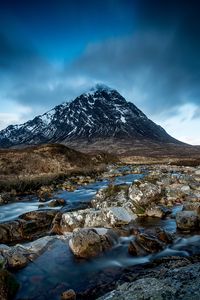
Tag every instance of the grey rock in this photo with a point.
(193, 206)
(156, 211)
(178, 282)
(87, 243)
(116, 216)
(109, 217)
(141, 289)
(187, 220)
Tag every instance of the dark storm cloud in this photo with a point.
(10, 53)
(26, 76)
(157, 65)
(159, 62)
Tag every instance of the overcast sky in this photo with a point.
(51, 51)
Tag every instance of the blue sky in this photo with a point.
(51, 51)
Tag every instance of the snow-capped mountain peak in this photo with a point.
(98, 89)
(97, 114)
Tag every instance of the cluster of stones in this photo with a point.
(162, 188)
(153, 196)
(94, 230)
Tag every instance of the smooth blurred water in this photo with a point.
(13, 210)
(57, 269)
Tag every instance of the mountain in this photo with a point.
(102, 113)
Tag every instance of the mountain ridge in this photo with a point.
(100, 113)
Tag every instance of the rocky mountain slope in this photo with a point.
(102, 113)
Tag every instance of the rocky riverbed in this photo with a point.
(135, 232)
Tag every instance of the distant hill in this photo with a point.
(48, 160)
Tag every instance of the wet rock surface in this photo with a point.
(181, 282)
(8, 285)
(29, 226)
(187, 220)
(149, 242)
(109, 217)
(57, 202)
(87, 243)
(18, 256)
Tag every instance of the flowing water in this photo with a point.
(57, 270)
(74, 199)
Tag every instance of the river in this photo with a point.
(57, 270)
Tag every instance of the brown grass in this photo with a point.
(47, 159)
(29, 168)
(28, 184)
